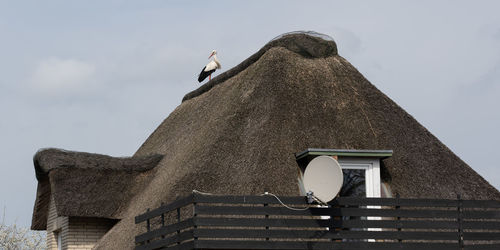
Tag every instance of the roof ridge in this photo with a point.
(306, 43)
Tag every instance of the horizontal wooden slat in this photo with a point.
(341, 201)
(359, 201)
(482, 247)
(164, 209)
(252, 222)
(188, 245)
(187, 235)
(481, 225)
(481, 236)
(164, 230)
(239, 210)
(246, 210)
(305, 235)
(310, 223)
(240, 244)
(337, 223)
(345, 201)
(480, 203)
(356, 201)
(481, 214)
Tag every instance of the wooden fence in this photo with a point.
(263, 222)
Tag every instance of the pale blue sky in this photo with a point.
(100, 76)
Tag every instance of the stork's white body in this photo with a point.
(215, 64)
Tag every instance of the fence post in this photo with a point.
(162, 220)
(148, 225)
(178, 220)
(162, 217)
(266, 216)
(459, 221)
(398, 207)
(195, 226)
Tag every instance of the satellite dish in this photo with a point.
(323, 177)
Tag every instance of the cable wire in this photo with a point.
(283, 204)
(199, 192)
(266, 193)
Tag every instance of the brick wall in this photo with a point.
(77, 233)
(85, 232)
(56, 225)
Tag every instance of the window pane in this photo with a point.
(59, 240)
(354, 183)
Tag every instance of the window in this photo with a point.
(58, 237)
(361, 177)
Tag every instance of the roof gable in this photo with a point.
(85, 184)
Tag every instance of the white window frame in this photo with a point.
(372, 179)
(372, 172)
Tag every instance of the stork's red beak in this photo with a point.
(210, 55)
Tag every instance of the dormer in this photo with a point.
(361, 169)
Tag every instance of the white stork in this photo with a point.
(210, 68)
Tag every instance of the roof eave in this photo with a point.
(382, 154)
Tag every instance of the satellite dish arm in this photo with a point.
(311, 198)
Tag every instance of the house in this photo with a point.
(246, 132)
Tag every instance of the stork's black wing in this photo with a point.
(204, 74)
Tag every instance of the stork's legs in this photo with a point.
(210, 77)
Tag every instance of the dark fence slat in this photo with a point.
(240, 244)
(183, 246)
(481, 236)
(467, 214)
(316, 211)
(356, 201)
(359, 201)
(252, 222)
(186, 235)
(343, 201)
(336, 223)
(324, 234)
(480, 203)
(164, 230)
(481, 225)
(482, 247)
(164, 209)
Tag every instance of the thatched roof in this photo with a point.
(238, 133)
(86, 185)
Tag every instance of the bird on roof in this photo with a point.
(210, 68)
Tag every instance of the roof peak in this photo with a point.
(305, 32)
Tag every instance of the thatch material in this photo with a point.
(87, 185)
(238, 133)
